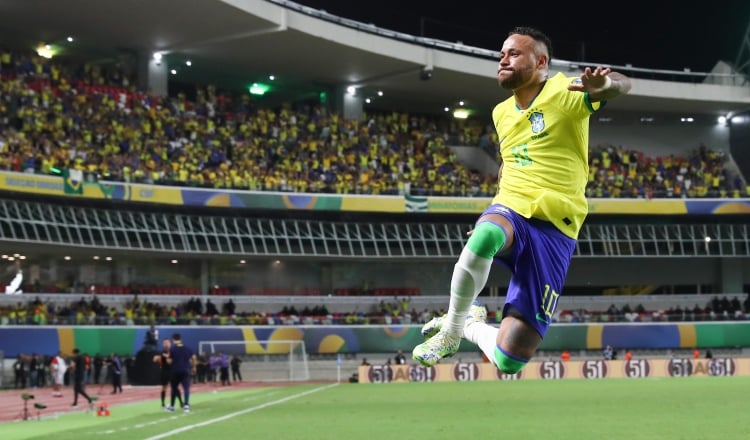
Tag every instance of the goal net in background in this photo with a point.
(264, 361)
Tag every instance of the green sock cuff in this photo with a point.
(487, 239)
(508, 363)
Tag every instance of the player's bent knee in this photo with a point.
(487, 239)
(507, 363)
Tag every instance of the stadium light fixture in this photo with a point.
(158, 56)
(173, 71)
(368, 100)
(708, 239)
(243, 261)
(173, 261)
(96, 257)
(67, 258)
(351, 90)
(380, 93)
(259, 89)
(45, 51)
(461, 103)
(272, 77)
(446, 109)
(188, 63)
(70, 39)
(721, 119)
(108, 258)
(460, 114)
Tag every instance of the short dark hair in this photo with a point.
(176, 337)
(537, 35)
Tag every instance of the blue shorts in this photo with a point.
(538, 262)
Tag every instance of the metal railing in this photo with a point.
(91, 227)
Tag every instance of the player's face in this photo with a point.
(518, 62)
(166, 344)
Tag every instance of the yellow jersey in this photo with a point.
(544, 149)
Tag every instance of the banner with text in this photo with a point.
(71, 184)
(557, 369)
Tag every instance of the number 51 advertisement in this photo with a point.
(557, 369)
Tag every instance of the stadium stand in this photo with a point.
(148, 309)
(93, 120)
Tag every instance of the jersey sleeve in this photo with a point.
(577, 103)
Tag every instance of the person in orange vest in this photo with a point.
(628, 356)
(696, 354)
(565, 356)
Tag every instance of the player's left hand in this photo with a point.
(591, 80)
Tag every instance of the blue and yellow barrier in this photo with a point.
(170, 195)
(366, 339)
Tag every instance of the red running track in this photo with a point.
(11, 403)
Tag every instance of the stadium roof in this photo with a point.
(238, 42)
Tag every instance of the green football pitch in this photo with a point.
(669, 408)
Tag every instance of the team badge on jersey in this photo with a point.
(537, 121)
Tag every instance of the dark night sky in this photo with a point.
(654, 34)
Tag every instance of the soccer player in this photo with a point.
(182, 360)
(79, 372)
(533, 222)
(166, 371)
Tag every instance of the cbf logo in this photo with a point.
(537, 121)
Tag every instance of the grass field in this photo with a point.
(674, 408)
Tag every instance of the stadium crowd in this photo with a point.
(93, 119)
(200, 311)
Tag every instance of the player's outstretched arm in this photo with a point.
(602, 84)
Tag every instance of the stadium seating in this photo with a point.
(94, 120)
(219, 309)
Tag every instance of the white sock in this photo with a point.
(469, 277)
(485, 336)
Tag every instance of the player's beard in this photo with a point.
(517, 79)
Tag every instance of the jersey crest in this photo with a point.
(537, 121)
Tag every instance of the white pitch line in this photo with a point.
(239, 413)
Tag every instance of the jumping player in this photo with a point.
(533, 222)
